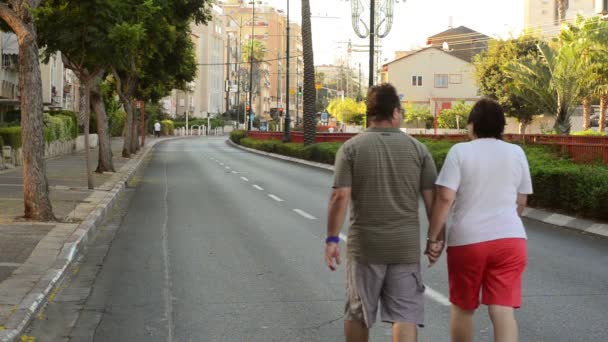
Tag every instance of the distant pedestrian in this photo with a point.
(487, 182)
(157, 128)
(384, 172)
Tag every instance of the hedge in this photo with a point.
(559, 184)
(1, 143)
(59, 127)
(11, 136)
(74, 118)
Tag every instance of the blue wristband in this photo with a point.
(332, 239)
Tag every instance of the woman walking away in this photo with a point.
(487, 182)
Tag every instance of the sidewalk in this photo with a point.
(34, 255)
(555, 219)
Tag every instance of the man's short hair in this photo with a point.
(382, 100)
(488, 119)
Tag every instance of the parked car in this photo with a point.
(595, 120)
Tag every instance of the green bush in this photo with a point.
(559, 184)
(589, 133)
(11, 136)
(117, 120)
(455, 117)
(1, 143)
(167, 127)
(237, 135)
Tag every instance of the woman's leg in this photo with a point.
(505, 325)
(461, 324)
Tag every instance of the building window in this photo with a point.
(441, 81)
(455, 78)
(417, 81)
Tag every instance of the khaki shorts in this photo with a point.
(398, 288)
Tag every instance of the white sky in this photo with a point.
(414, 21)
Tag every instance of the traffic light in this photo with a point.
(248, 108)
(300, 90)
(280, 112)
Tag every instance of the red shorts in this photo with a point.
(494, 267)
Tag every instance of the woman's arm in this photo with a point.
(522, 202)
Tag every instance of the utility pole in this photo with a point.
(239, 54)
(227, 85)
(296, 91)
(278, 85)
(359, 96)
(287, 136)
(250, 114)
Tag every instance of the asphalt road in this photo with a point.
(218, 244)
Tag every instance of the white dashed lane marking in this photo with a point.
(275, 198)
(258, 187)
(245, 179)
(304, 214)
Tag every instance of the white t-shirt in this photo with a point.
(157, 127)
(487, 175)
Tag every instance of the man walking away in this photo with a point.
(157, 129)
(382, 171)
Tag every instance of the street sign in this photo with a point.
(292, 91)
(324, 116)
(318, 86)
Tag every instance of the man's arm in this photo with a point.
(336, 213)
(427, 197)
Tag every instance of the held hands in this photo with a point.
(332, 255)
(433, 251)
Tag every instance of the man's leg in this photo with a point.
(461, 324)
(404, 332)
(356, 331)
(505, 325)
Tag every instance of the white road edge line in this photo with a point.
(245, 179)
(275, 198)
(304, 214)
(429, 292)
(258, 187)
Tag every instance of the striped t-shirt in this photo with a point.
(387, 170)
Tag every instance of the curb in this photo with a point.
(24, 312)
(564, 221)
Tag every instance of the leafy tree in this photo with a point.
(347, 111)
(494, 81)
(78, 29)
(18, 16)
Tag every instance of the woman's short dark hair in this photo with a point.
(488, 119)
(381, 102)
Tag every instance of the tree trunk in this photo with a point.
(586, 113)
(522, 127)
(126, 147)
(105, 163)
(310, 117)
(561, 10)
(84, 100)
(134, 135)
(562, 119)
(602, 119)
(35, 184)
(81, 105)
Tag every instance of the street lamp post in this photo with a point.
(382, 8)
(287, 134)
(249, 118)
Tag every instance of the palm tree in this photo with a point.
(562, 6)
(256, 50)
(310, 117)
(551, 83)
(588, 37)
